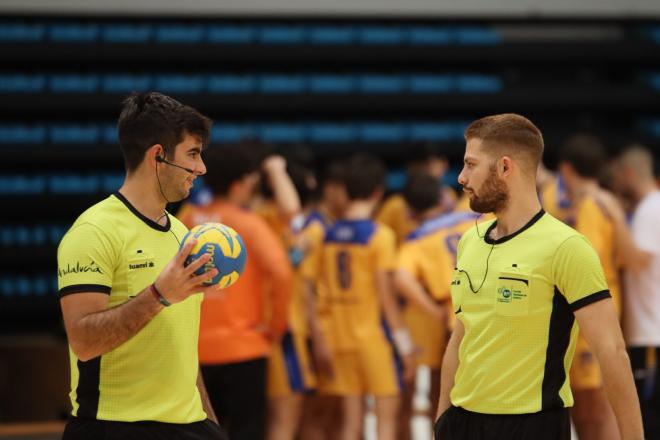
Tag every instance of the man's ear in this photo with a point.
(505, 166)
(154, 152)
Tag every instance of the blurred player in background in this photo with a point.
(581, 160)
(552, 193)
(642, 299)
(596, 214)
(353, 351)
(280, 205)
(290, 371)
(423, 158)
(425, 263)
(131, 309)
(322, 415)
(239, 328)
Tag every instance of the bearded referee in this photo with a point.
(522, 284)
(131, 308)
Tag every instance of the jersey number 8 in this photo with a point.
(344, 269)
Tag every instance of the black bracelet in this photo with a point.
(161, 299)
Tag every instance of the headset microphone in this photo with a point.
(162, 159)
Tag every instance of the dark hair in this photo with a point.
(152, 118)
(420, 152)
(335, 172)
(303, 180)
(509, 134)
(363, 175)
(227, 165)
(421, 192)
(585, 153)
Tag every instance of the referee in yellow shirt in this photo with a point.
(522, 284)
(131, 307)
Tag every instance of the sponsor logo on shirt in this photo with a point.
(506, 295)
(141, 265)
(78, 268)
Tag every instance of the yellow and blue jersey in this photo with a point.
(352, 253)
(290, 367)
(554, 199)
(429, 255)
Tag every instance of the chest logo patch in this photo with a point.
(507, 295)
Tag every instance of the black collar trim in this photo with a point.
(152, 224)
(500, 240)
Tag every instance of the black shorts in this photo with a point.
(459, 424)
(86, 429)
(647, 380)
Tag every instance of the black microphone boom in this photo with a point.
(162, 159)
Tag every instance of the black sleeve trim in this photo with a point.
(594, 297)
(80, 288)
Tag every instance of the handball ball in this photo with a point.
(227, 251)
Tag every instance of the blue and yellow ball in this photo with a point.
(228, 253)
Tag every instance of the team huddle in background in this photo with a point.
(356, 289)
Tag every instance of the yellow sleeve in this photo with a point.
(86, 261)
(384, 244)
(592, 223)
(407, 258)
(437, 269)
(314, 234)
(387, 213)
(578, 274)
(394, 214)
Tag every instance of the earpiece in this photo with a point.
(161, 159)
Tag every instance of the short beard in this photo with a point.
(493, 197)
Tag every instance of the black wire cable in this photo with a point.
(487, 262)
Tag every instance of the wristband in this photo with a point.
(403, 342)
(161, 299)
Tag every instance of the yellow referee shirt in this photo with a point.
(516, 296)
(113, 249)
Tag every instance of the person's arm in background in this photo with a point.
(385, 249)
(269, 255)
(206, 402)
(400, 334)
(449, 367)
(629, 256)
(411, 289)
(600, 326)
(310, 271)
(579, 277)
(408, 286)
(320, 348)
(284, 192)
